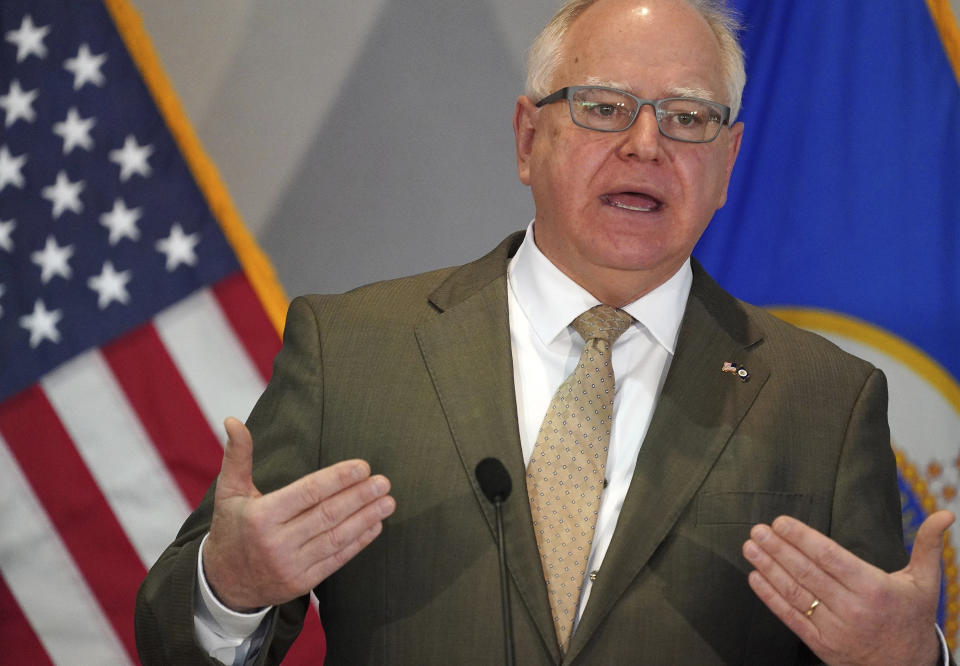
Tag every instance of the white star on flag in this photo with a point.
(75, 131)
(64, 194)
(10, 166)
(29, 39)
(132, 158)
(6, 228)
(53, 260)
(122, 222)
(86, 67)
(18, 103)
(42, 324)
(110, 286)
(178, 247)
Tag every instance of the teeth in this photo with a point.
(641, 209)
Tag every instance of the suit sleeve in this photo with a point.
(866, 515)
(286, 426)
(866, 510)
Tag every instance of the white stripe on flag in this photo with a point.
(211, 359)
(118, 452)
(44, 580)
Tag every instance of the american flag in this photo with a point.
(130, 326)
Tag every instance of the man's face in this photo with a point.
(620, 212)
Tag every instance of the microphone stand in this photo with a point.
(495, 483)
(504, 588)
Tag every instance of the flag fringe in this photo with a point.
(946, 24)
(254, 261)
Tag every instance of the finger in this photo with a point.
(328, 514)
(312, 489)
(323, 568)
(236, 470)
(829, 556)
(928, 548)
(342, 538)
(794, 577)
(798, 622)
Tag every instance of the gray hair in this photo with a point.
(546, 52)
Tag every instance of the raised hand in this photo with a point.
(846, 610)
(268, 549)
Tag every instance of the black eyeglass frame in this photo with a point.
(567, 93)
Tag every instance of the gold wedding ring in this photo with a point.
(813, 607)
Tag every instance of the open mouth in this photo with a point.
(635, 201)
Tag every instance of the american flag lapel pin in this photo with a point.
(736, 369)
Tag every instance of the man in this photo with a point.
(723, 419)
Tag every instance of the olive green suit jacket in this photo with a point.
(415, 375)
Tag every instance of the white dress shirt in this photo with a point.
(543, 302)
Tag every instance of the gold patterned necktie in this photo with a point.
(565, 475)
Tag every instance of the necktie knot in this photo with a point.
(604, 322)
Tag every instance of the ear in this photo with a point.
(524, 129)
(733, 149)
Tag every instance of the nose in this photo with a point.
(642, 139)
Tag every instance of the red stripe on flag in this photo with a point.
(243, 310)
(77, 508)
(310, 648)
(167, 409)
(20, 643)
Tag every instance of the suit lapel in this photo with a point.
(466, 348)
(698, 410)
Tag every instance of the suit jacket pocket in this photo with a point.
(748, 508)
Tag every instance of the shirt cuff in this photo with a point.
(944, 650)
(231, 624)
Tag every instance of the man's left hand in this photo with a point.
(847, 610)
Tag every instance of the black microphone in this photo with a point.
(496, 485)
(494, 479)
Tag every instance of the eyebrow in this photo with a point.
(675, 91)
(594, 81)
(683, 91)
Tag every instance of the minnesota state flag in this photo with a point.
(844, 213)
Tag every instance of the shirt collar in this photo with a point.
(551, 300)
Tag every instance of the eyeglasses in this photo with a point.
(605, 109)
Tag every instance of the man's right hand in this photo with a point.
(265, 550)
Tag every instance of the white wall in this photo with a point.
(361, 140)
